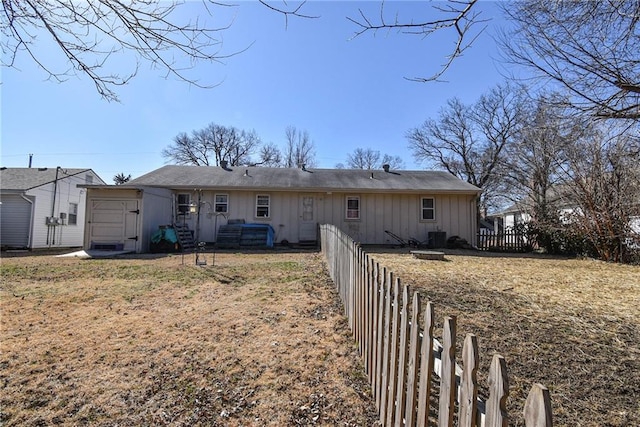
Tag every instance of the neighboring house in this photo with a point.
(512, 216)
(43, 207)
(363, 203)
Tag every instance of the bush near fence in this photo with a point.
(401, 358)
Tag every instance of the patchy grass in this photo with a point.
(259, 340)
(572, 325)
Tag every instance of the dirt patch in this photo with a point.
(258, 340)
(572, 325)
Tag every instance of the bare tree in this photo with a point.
(532, 165)
(603, 191)
(589, 48)
(270, 156)
(368, 158)
(299, 149)
(92, 34)
(363, 158)
(213, 144)
(459, 16)
(394, 162)
(470, 141)
(121, 178)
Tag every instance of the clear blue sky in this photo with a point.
(347, 93)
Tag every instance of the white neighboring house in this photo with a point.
(43, 207)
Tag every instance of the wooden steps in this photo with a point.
(185, 237)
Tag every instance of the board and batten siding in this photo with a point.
(401, 215)
(398, 213)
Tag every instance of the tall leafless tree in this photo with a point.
(213, 144)
(532, 165)
(299, 149)
(591, 49)
(470, 141)
(368, 158)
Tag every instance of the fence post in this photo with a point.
(426, 367)
(448, 373)
(537, 409)
(498, 392)
(393, 356)
(370, 311)
(384, 390)
(412, 374)
(402, 358)
(375, 319)
(468, 383)
(382, 298)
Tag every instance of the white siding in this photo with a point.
(67, 192)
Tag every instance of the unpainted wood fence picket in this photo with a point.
(402, 359)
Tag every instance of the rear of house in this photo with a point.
(43, 207)
(293, 201)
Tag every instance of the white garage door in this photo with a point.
(114, 224)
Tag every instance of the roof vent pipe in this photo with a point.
(246, 172)
(223, 164)
(371, 177)
(303, 166)
(385, 167)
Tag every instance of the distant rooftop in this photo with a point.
(22, 179)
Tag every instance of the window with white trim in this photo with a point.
(428, 209)
(72, 219)
(221, 203)
(183, 203)
(263, 206)
(353, 207)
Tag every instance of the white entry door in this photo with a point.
(114, 224)
(308, 224)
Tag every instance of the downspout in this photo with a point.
(29, 243)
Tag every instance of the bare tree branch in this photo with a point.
(589, 48)
(90, 34)
(459, 15)
(288, 11)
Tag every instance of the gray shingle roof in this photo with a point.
(23, 179)
(261, 178)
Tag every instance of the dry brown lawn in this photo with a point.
(260, 339)
(257, 340)
(572, 325)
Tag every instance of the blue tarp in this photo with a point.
(267, 227)
(165, 233)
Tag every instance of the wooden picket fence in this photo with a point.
(401, 358)
(504, 241)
